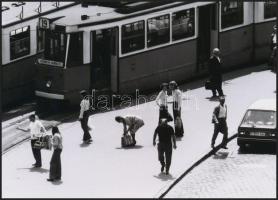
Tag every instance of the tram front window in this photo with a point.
(55, 46)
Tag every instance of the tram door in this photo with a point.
(105, 59)
(207, 34)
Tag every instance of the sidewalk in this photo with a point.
(104, 169)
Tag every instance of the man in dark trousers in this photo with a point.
(162, 101)
(177, 101)
(166, 136)
(215, 72)
(219, 118)
(84, 116)
(36, 130)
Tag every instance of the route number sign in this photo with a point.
(44, 23)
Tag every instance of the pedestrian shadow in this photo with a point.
(84, 144)
(212, 98)
(220, 155)
(57, 182)
(35, 169)
(164, 177)
(131, 147)
(226, 82)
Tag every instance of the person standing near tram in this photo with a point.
(84, 116)
(162, 101)
(177, 101)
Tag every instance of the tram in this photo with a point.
(22, 43)
(118, 50)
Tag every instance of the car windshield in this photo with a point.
(259, 118)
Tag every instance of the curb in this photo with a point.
(206, 156)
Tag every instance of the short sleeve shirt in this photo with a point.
(165, 134)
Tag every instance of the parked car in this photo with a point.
(258, 124)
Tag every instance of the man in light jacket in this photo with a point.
(219, 118)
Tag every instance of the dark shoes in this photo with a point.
(36, 165)
(162, 168)
(88, 141)
(52, 179)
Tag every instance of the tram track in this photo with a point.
(16, 132)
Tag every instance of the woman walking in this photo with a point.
(55, 163)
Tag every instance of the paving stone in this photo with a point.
(237, 175)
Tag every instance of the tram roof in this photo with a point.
(101, 14)
(10, 12)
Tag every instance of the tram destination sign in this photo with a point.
(50, 62)
(44, 23)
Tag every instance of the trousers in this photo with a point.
(84, 126)
(165, 154)
(55, 165)
(36, 153)
(177, 113)
(223, 128)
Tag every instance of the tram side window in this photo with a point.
(40, 40)
(133, 36)
(55, 46)
(158, 30)
(269, 9)
(75, 54)
(183, 25)
(232, 13)
(20, 42)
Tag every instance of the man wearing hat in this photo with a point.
(219, 118)
(161, 101)
(84, 116)
(166, 137)
(215, 72)
(177, 101)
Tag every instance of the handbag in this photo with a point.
(127, 140)
(178, 123)
(178, 127)
(39, 144)
(44, 142)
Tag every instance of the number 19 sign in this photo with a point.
(44, 23)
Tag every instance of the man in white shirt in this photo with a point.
(219, 118)
(177, 101)
(161, 101)
(36, 130)
(84, 116)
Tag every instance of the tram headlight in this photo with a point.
(48, 84)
